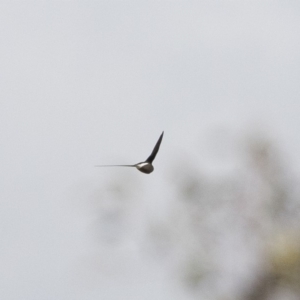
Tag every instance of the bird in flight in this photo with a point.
(146, 166)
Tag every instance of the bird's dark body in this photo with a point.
(145, 168)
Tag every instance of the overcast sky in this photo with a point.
(86, 82)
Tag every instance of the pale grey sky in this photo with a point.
(85, 83)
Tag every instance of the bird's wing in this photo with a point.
(155, 150)
(115, 166)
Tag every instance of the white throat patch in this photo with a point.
(142, 164)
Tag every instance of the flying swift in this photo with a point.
(145, 166)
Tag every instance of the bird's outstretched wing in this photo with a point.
(155, 150)
(115, 166)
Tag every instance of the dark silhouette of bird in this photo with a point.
(145, 166)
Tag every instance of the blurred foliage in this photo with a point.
(230, 235)
(285, 259)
